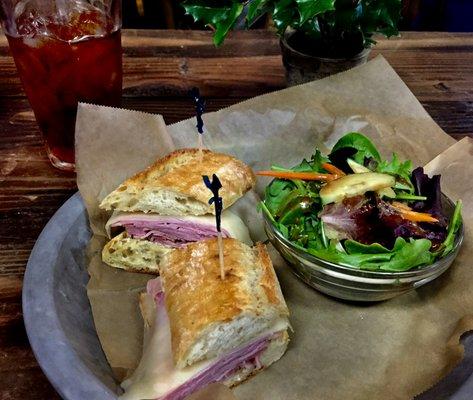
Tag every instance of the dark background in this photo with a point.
(418, 15)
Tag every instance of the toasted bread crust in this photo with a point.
(196, 297)
(273, 292)
(181, 172)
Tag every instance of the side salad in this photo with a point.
(353, 208)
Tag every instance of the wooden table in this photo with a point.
(159, 68)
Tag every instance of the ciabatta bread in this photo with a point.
(173, 185)
(133, 255)
(209, 316)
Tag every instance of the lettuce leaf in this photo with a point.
(279, 193)
(351, 219)
(312, 165)
(430, 188)
(408, 255)
(396, 167)
(352, 246)
(365, 149)
(276, 193)
(405, 255)
(355, 260)
(453, 227)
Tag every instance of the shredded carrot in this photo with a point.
(305, 176)
(333, 169)
(415, 216)
(398, 204)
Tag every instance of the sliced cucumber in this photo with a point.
(354, 185)
(387, 192)
(359, 169)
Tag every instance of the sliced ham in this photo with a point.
(170, 231)
(176, 231)
(156, 376)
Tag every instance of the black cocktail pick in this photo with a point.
(199, 103)
(214, 186)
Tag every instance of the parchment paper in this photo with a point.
(338, 350)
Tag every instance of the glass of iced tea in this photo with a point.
(65, 51)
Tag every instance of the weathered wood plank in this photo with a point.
(160, 63)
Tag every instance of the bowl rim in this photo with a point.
(368, 273)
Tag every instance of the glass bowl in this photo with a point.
(354, 284)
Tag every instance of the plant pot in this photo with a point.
(301, 67)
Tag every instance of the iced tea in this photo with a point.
(63, 60)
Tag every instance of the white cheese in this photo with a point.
(156, 374)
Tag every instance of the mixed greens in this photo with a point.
(353, 208)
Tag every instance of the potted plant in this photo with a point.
(318, 37)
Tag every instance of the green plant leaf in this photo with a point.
(403, 256)
(365, 147)
(339, 26)
(352, 247)
(308, 9)
(223, 28)
(276, 193)
(205, 12)
(317, 160)
(356, 260)
(255, 9)
(409, 197)
(285, 14)
(453, 227)
(262, 207)
(396, 167)
(408, 255)
(399, 169)
(221, 18)
(380, 16)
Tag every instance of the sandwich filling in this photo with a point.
(174, 231)
(158, 378)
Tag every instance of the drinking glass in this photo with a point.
(65, 51)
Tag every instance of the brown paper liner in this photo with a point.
(338, 350)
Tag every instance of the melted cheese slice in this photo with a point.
(156, 374)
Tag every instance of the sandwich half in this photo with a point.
(139, 240)
(166, 206)
(173, 184)
(201, 329)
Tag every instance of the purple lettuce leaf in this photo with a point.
(353, 218)
(339, 158)
(407, 230)
(430, 188)
(397, 226)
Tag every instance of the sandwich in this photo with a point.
(166, 206)
(201, 329)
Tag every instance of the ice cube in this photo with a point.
(68, 20)
(30, 18)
